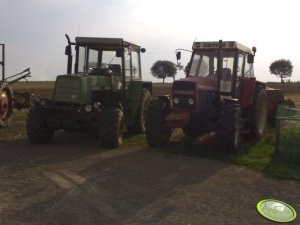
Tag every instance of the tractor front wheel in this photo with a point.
(140, 119)
(37, 131)
(228, 127)
(157, 132)
(111, 128)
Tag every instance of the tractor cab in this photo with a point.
(227, 62)
(112, 59)
(234, 59)
(216, 70)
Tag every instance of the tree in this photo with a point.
(163, 69)
(282, 68)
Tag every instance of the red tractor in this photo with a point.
(219, 94)
(8, 98)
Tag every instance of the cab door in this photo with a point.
(246, 80)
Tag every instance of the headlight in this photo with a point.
(191, 101)
(42, 102)
(97, 105)
(176, 100)
(88, 108)
(36, 99)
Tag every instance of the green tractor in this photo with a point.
(104, 93)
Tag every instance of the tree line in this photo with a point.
(163, 69)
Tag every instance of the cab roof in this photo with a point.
(115, 42)
(226, 45)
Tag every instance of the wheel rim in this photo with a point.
(121, 130)
(3, 105)
(237, 134)
(261, 122)
(145, 109)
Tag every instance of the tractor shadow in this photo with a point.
(65, 147)
(257, 154)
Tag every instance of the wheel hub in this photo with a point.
(3, 104)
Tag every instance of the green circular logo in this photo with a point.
(276, 210)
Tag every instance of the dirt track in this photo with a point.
(73, 181)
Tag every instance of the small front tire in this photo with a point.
(111, 129)
(37, 130)
(157, 132)
(228, 127)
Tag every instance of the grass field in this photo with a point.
(34, 85)
(258, 155)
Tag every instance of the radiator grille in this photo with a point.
(184, 85)
(67, 89)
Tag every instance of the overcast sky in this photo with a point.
(33, 30)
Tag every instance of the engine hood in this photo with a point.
(196, 83)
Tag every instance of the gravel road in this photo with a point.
(73, 181)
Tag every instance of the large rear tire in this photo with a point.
(111, 129)
(257, 114)
(37, 131)
(157, 133)
(140, 119)
(228, 127)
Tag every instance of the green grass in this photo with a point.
(16, 128)
(256, 155)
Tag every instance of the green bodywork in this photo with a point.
(107, 74)
(73, 91)
(132, 100)
(78, 89)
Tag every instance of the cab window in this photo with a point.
(127, 64)
(81, 59)
(249, 72)
(135, 65)
(240, 64)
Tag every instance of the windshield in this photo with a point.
(90, 59)
(204, 63)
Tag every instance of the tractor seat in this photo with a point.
(226, 74)
(115, 68)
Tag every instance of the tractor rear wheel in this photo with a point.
(111, 129)
(157, 132)
(228, 127)
(6, 105)
(272, 117)
(140, 119)
(289, 103)
(257, 114)
(37, 131)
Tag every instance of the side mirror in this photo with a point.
(119, 52)
(143, 50)
(68, 50)
(178, 55)
(250, 58)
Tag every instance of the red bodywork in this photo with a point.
(179, 118)
(201, 84)
(246, 91)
